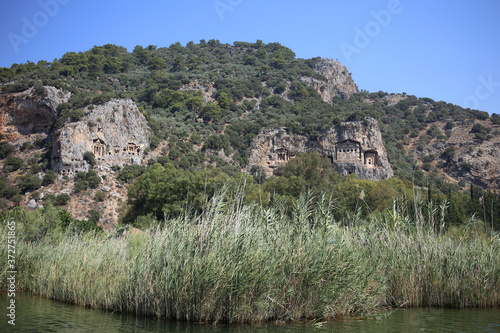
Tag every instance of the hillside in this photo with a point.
(86, 130)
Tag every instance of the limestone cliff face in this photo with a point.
(116, 132)
(339, 80)
(25, 113)
(354, 147)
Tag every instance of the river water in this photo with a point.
(36, 314)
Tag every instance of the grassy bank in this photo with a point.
(241, 263)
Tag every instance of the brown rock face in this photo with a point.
(354, 147)
(24, 113)
(116, 133)
(339, 80)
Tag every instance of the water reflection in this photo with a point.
(36, 314)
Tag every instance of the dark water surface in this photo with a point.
(36, 314)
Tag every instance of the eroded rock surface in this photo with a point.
(339, 80)
(116, 133)
(354, 147)
(25, 113)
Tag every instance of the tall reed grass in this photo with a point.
(242, 263)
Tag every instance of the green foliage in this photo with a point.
(131, 172)
(84, 180)
(167, 190)
(62, 199)
(29, 183)
(495, 119)
(89, 157)
(94, 216)
(26, 146)
(449, 153)
(481, 132)
(49, 178)
(100, 196)
(80, 185)
(10, 191)
(217, 142)
(211, 112)
(154, 142)
(12, 163)
(296, 264)
(6, 149)
(93, 179)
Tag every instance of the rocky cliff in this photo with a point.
(25, 113)
(116, 132)
(339, 80)
(459, 155)
(353, 147)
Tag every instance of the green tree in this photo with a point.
(6, 149)
(100, 196)
(167, 190)
(29, 183)
(10, 191)
(131, 172)
(156, 63)
(12, 163)
(62, 199)
(89, 157)
(223, 100)
(211, 111)
(93, 179)
(179, 64)
(195, 63)
(49, 178)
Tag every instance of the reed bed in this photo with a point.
(242, 263)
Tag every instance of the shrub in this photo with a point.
(49, 198)
(131, 172)
(495, 119)
(89, 158)
(12, 163)
(29, 183)
(80, 186)
(6, 149)
(49, 178)
(280, 88)
(17, 199)
(93, 179)
(10, 191)
(26, 146)
(100, 196)
(77, 114)
(449, 153)
(62, 199)
(94, 215)
(154, 142)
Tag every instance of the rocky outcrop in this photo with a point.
(460, 155)
(353, 147)
(25, 113)
(339, 80)
(116, 132)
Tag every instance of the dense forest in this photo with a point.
(203, 98)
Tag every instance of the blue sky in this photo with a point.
(445, 50)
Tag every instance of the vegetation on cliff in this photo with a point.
(206, 102)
